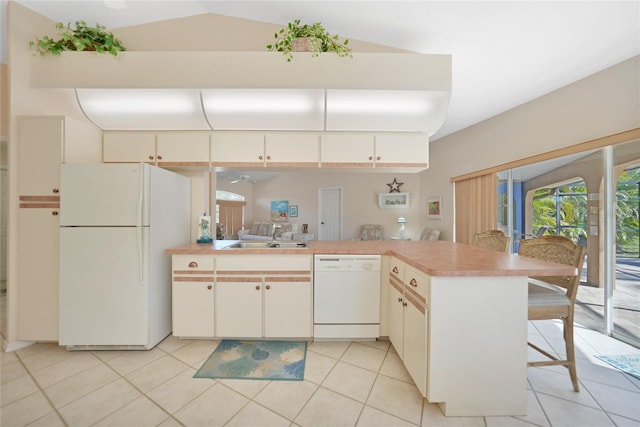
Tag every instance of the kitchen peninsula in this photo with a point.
(456, 315)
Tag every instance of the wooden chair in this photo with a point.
(554, 297)
(430, 233)
(495, 240)
(371, 232)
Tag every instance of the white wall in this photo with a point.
(603, 104)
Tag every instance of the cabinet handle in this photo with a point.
(413, 283)
(193, 264)
(268, 157)
(395, 270)
(209, 287)
(370, 157)
(159, 157)
(260, 157)
(404, 304)
(257, 287)
(150, 157)
(268, 287)
(378, 158)
(399, 299)
(54, 213)
(55, 190)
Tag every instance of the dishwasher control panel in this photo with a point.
(347, 263)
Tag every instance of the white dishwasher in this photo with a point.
(346, 303)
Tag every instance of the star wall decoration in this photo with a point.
(395, 186)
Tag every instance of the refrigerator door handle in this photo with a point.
(141, 255)
(141, 197)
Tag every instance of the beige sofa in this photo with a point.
(266, 230)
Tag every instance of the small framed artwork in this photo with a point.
(279, 210)
(434, 208)
(393, 200)
(293, 211)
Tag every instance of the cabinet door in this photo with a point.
(39, 270)
(40, 148)
(183, 149)
(346, 150)
(237, 149)
(193, 309)
(396, 318)
(415, 343)
(238, 308)
(287, 309)
(398, 150)
(129, 147)
(292, 149)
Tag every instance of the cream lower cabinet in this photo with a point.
(193, 296)
(38, 272)
(408, 318)
(266, 296)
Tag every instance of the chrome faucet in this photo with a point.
(275, 228)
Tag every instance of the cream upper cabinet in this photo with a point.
(244, 149)
(40, 153)
(402, 150)
(183, 148)
(292, 149)
(346, 150)
(129, 147)
(161, 148)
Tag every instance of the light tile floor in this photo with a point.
(346, 384)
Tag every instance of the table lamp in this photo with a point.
(402, 221)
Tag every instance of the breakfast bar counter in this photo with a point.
(436, 258)
(456, 314)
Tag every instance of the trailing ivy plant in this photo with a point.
(82, 38)
(319, 40)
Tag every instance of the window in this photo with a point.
(229, 214)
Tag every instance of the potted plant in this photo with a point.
(308, 38)
(82, 38)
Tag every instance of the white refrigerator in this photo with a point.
(116, 220)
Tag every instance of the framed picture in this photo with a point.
(280, 210)
(393, 200)
(293, 211)
(434, 208)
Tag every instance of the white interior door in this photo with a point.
(330, 208)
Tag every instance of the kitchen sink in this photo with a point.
(268, 245)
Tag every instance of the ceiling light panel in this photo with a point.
(264, 109)
(143, 109)
(386, 110)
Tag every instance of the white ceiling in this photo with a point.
(505, 53)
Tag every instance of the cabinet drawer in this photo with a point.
(417, 281)
(183, 264)
(396, 268)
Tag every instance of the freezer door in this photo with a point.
(104, 195)
(104, 286)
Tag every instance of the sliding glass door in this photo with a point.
(567, 196)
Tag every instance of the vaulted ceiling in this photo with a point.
(505, 53)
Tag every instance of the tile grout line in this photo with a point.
(41, 390)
